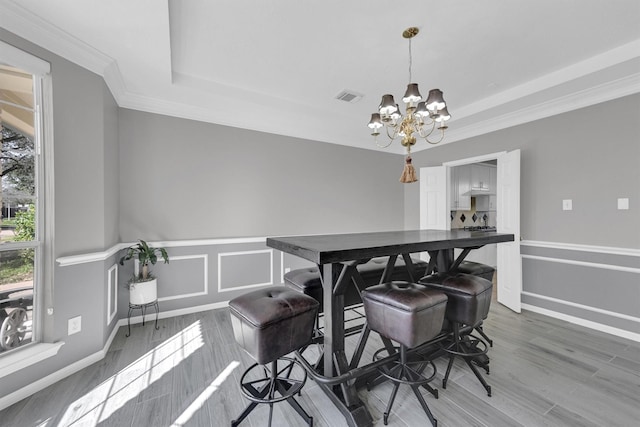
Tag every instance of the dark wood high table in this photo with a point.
(338, 375)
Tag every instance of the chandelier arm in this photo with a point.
(435, 142)
(420, 130)
(382, 146)
(391, 139)
(395, 132)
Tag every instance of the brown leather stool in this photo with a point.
(307, 280)
(469, 302)
(269, 324)
(481, 270)
(410, 314)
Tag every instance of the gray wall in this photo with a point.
(183, 179)
(86, 209)
(591, 155)
(121, 175)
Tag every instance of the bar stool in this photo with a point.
(469, 302)
(409, 314)
(268, 324)
(486, 272)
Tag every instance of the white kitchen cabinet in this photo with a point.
(486, 203)
(461, 188)
(480, 177)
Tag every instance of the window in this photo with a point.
(23, 211)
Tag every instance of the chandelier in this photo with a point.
(419, 120)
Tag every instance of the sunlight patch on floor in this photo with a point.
(112, 394)
(206, 394)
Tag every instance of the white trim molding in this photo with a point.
(25, 357)
(205, 272)
(584, 307)
(582, 248)
(112, 292)
(104, 255)
(583, 322)
(254, 285)
(583, 263)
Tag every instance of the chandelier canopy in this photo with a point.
(419, 120)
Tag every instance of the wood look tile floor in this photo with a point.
(544, 372)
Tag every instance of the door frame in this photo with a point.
(466, 161)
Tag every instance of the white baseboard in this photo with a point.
(583, 322)
(56, 376)
(41, 384)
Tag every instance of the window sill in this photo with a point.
(20, 359)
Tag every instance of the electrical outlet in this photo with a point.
(75, 325)
(286, 270)
(567, 205)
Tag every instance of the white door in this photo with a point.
(434, 203)
(508, 221)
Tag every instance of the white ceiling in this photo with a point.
(277, 66)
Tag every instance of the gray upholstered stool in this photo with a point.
(469, 302)
(269, 324)
(481, 270)
(409, 314)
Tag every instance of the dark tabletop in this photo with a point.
(323, 249)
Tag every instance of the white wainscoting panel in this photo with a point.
(267, 280)
(205, 277)
(112, 293)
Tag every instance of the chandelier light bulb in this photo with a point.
(435, 101)
(387, 105)
(443, 115)
(375, 123)
(412, 95)
(421, 109)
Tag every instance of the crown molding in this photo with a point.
(31, 27)
(585, 98)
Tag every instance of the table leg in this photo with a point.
(335, 360)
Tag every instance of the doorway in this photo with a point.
(435, 213)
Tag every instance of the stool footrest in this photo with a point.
(409, 372)
(263, 388)
(473, 347)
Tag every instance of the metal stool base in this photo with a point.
(469, 348)
(275, 380)
(403, 372)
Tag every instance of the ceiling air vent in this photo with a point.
(349, 96)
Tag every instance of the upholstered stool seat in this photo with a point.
(409, 314)
(481, 270)
(476, 269)
(269, 324)
(469, 303)
(307, 280)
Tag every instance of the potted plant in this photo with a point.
(143, 286)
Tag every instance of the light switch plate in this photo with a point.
(623, 204)
(74, 325)
(567, 205)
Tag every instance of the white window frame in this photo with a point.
(42, 346)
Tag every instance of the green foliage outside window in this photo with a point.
(26, 229)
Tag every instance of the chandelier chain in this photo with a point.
(410, 60)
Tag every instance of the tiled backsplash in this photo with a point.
(457, 216)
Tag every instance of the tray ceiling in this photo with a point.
(277, 66)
